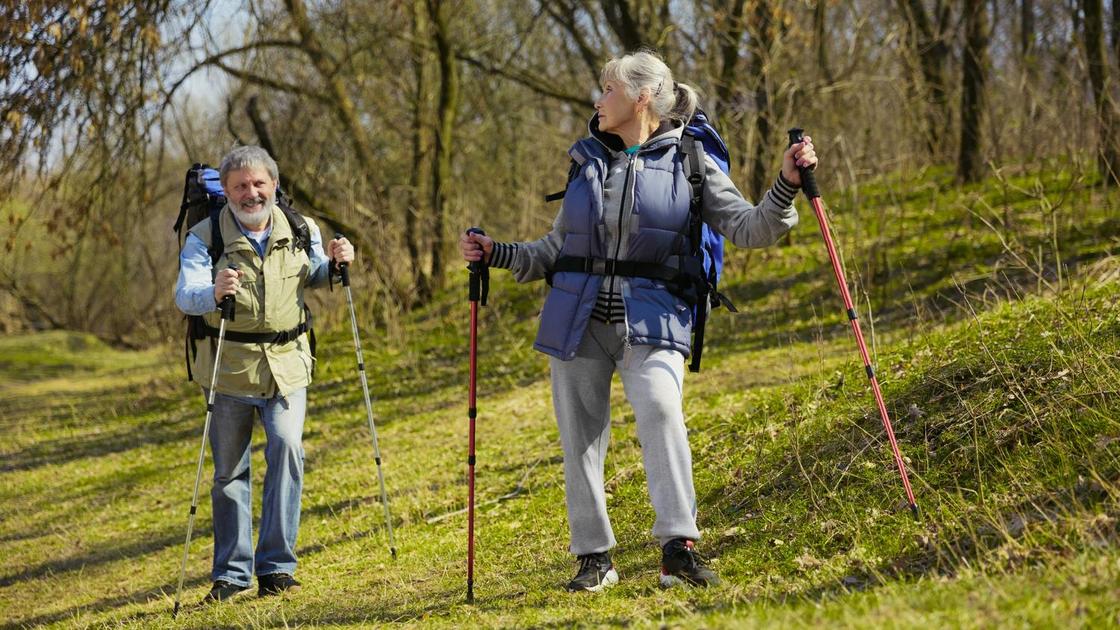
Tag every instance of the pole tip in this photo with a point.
(393, 552)
(914, 511)
(175, 613)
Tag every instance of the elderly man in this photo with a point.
(265, 368)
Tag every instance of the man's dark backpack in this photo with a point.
(203, 198)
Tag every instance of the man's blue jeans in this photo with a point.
(231, 430)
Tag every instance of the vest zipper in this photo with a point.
(622, 221)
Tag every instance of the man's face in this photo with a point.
(251, 193)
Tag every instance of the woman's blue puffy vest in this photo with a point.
(657, 232)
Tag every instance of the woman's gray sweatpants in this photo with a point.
(652, 379)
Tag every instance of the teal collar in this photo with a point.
(632, 150)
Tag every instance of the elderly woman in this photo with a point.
(629, 201)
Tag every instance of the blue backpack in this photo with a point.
(700, 138)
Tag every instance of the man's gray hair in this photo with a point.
(645, 71)
(245, 157)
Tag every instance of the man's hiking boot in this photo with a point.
(681, 564)
(223, 591)
(596, 572)
(276, 583)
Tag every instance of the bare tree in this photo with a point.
(339, 100)
(763, 32)
(728, 30)
(77, 120)
(1107, 116)
(440, 14)
(928, 43)
(421, 172)
(970, 164)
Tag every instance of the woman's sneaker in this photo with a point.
(681, 564)
(596, 572)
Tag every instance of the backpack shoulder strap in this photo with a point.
(217, 245)
(693, 151)
(211, 237)
(178, 227)
(573, 170)
(301, 233)
(693, 164)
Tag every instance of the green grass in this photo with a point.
(996, 340)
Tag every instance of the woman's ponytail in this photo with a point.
(687, 101)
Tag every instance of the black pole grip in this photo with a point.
(808, 180)
(343, 268)
(477, 265)
(228, 302)
(479, 274)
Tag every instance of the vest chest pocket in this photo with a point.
(284, 295)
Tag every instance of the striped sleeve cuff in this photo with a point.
(501, 257)
(783, 192)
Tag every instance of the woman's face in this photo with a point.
(614, 107)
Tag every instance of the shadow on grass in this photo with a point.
(128, 551)
(164, 592)
(96, 442)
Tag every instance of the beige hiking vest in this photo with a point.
(270, 300)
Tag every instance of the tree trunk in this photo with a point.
(1028, 59)
(970, 163)
(729, 120)
(1026, 28)
(930, 46)
(420, 173)
(820, 39)
(1097, 60)
(761, 41)
(439, 11)
(1116, 29)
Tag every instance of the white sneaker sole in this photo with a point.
(610, 578)
(669, 581)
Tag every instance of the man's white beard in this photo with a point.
(257, 217)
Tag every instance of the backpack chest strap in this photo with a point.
(626, 268)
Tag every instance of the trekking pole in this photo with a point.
(227, 314)
(344, 269)
(809, 187)
(479, 288)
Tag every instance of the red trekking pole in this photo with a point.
(479, 288)
(809, 187)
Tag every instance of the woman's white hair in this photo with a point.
(645, 71)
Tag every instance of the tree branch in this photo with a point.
(532, 84)
(216, 58)
(340, 101)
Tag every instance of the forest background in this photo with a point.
(399, 123)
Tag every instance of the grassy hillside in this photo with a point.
(996, 335)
